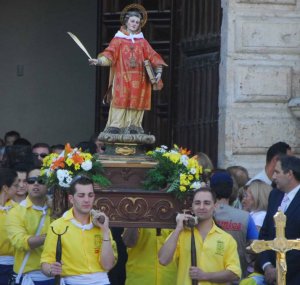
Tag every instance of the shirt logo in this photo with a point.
(220, 248)
(230, 226)
(97, 241)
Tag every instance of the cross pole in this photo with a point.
(280, 244)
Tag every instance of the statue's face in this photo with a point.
(133, 24)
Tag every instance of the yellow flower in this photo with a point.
(69, 161)
(86, 156)
(174, 157)
(182, 188)
(77, 166)
(47, 161)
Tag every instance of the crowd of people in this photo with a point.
(228, 213)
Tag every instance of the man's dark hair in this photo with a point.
(33, 167)
(222, 184)
(45, 145)
(81, 180)
(22, 141)
(292, 163)
(21, 167)
(279, 148)
(17, 154)
(206, 189)
(57, 146)
(87, 146)
(11, 134)
(7, 177)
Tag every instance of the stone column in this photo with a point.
(259, 80)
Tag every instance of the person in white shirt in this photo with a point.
(255, 201)
(273, 153)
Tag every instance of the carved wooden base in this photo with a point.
(148, 209)
(127, 203)
(126, 173)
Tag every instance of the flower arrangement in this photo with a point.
(60, 169)
(175, 171)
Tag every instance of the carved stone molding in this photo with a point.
(294, 106)
(279, 2)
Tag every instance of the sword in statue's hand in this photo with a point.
(78, 42)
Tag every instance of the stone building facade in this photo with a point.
(259, 93)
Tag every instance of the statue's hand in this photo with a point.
(158, 76)
(93, 61)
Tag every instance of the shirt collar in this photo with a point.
(293, 193)
(215, 228)
(26, 203)
(68, 215)
(8, 205)
(131, 37)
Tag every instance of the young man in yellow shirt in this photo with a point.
(142, 266)
(27, 225)
(8, 188)
(217, 256)
(88, 251)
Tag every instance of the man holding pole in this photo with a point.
(87, 249)
(216, 251)
(27, 225)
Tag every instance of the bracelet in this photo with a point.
(106, 240)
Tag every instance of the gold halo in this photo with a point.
(138, 7)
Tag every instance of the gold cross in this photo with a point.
(280, 244)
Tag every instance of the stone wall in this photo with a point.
(259, 80)
(47, 87)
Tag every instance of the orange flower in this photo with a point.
(68, 148)
(77, 158)
(184, 151)
(59, 163)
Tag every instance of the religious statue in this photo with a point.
(129, 90)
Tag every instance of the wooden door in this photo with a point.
(196, 56)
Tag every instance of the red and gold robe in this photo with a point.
(131, 85)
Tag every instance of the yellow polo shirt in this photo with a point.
(216, 253)
(143, 267)
(80, 248)
(6, 249)
(21, 224)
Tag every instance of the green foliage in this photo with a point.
(175, 172)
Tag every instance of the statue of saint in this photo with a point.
(129, 83)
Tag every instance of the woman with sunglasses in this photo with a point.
(8, 188)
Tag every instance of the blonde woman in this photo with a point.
(255, 201)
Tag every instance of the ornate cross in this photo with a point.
(280, 244)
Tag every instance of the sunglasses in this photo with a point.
(42, 155)
(32, 180)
